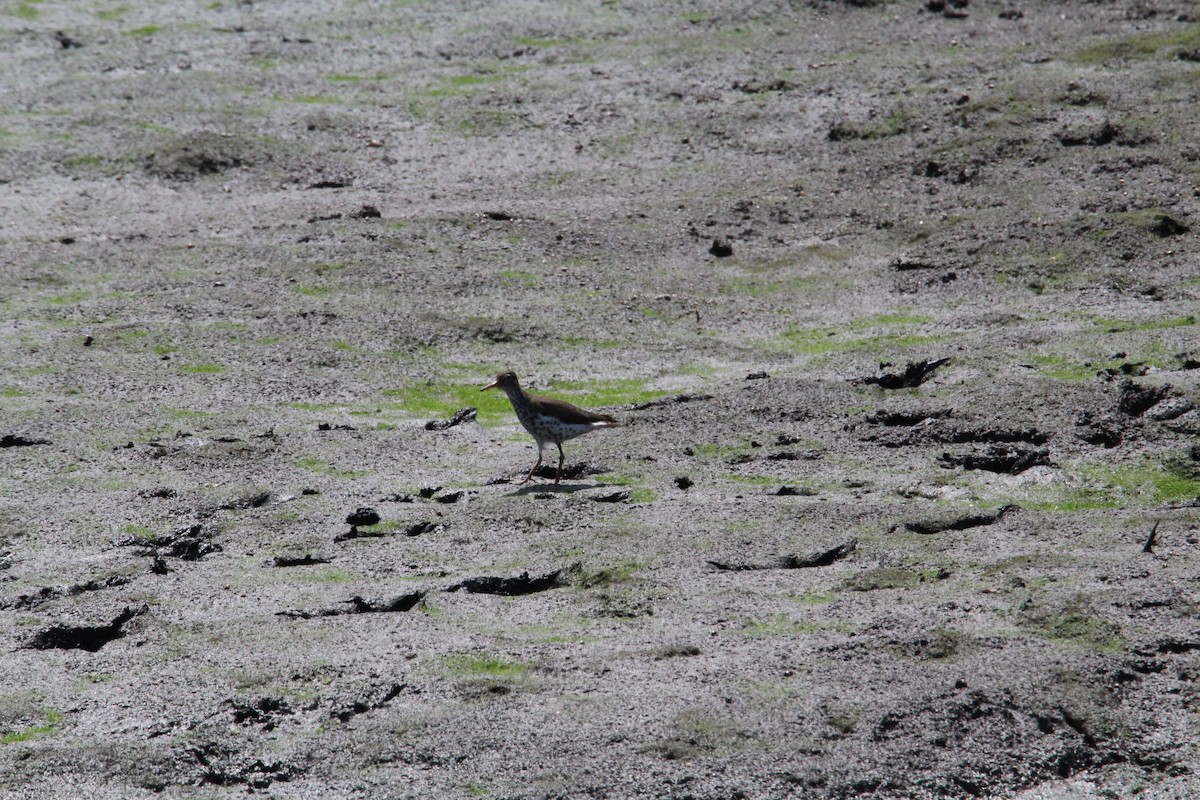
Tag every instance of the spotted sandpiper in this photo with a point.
(548, 419)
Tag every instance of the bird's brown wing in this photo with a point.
(570, 414)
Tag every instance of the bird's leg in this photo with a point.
(558, 477)
(529, 477)
(532, 470)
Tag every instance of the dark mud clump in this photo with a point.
(358, 605)
(520, 585)
(83, 637)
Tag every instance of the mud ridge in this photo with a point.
(520, 585)
(823, 558)
(47, 593)
(84, 637)
(914, 374)
(960, 523)
(400, 604)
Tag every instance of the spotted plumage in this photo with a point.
(548, 419)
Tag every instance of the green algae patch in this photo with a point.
(879, 333)
(779, 625)
(1112, 325)
(1138, 47)
(1062, 368)
(1102, 486)
(601, 393)
(1078, 625)
(894, 578)
(51, 726)
(323, 468)
(443, 400)
(483, 665)
(145, 30)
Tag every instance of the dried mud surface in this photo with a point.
(896, 303)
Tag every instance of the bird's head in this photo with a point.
(505, 381)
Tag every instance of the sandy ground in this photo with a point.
(896, 303)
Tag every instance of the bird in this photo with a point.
(548, 419)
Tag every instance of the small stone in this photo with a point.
(721, 248)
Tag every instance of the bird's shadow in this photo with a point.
(556, 488)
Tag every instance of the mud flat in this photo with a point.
(896, 302)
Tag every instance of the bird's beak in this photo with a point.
(491, 385)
